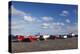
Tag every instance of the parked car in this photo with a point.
(41, 38)
(52, 37)
(63, 36)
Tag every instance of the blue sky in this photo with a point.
(32, 18)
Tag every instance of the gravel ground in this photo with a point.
(58, 44)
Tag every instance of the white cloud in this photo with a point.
(38, 20)
(73, 29)
(21, 13)
(45, 25)
(52, 25)
(58, 23)
(64, 13)
(62, 24)
(57, 29)
(29, 18)
(67, 20)
(45, 18)
(15, 11)
(16, 25)
(25, 16)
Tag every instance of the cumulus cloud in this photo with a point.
(67, 20)
(73, 29)
(62, 24)
(57, 29)
(16, 25)
(38, 20)
(29, 18)
(45, 18)
(52, 25)
(15, 11)
(58, 23)
(25, 16)
(64, 13)
(45, 25)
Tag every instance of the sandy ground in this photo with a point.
(58, 44)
